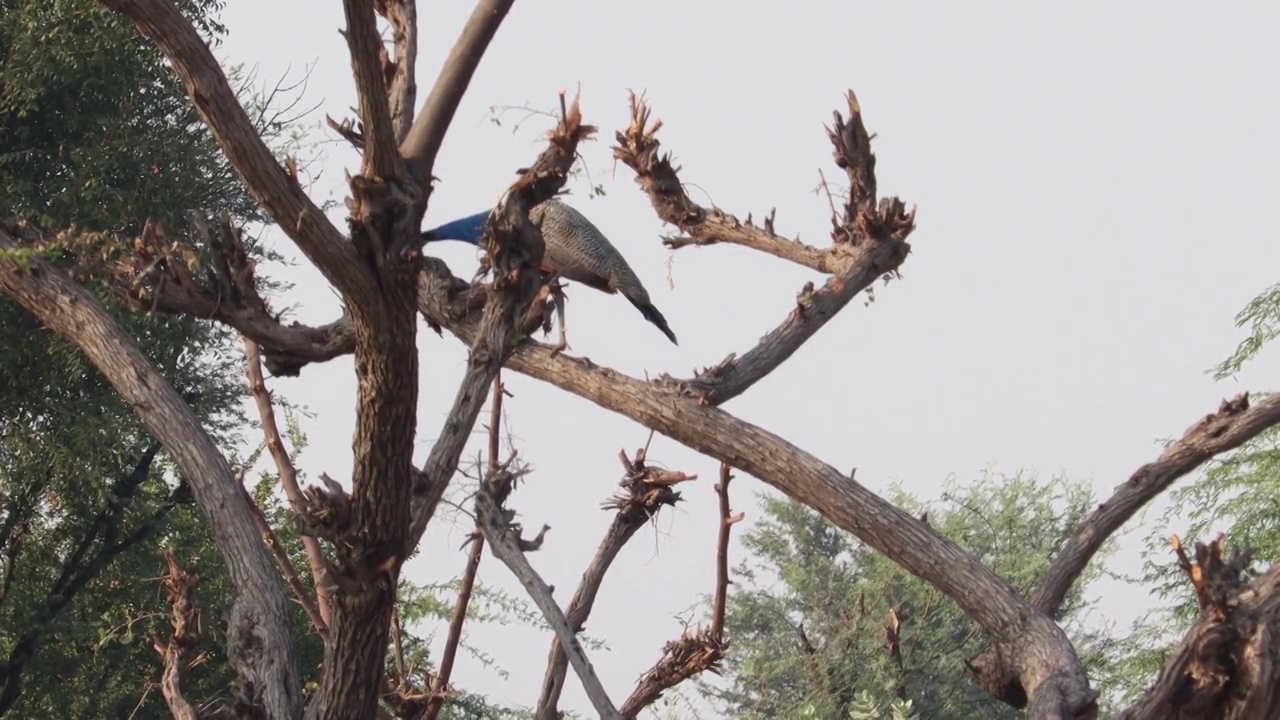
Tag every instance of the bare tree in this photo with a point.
(1226, 668)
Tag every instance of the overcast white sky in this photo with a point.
(1092, 184)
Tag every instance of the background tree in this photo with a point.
(819, 619)
(376, 266)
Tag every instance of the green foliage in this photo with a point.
(808, 619)
(1262, 315)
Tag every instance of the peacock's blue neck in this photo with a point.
(468, 229)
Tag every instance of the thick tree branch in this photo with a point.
(1228, 664)
(403, 91)
(698, 651)
(288, 475)
(426, 136)
(276, 190)
(646, 490)
(259, 616)
(506, 547)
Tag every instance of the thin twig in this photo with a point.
(288, 479)
(285, 563)
(469, 574)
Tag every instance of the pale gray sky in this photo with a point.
(1091, 181)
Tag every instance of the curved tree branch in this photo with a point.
(259, 615)
(1234, 424)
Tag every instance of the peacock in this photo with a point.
(576, 249)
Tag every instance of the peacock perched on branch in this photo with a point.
(575, 249)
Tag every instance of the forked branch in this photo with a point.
(1234, 424)
(867, 243)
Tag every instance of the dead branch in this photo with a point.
(646, 490)
(271, 186)
(381, 159)
(1228, 664)
(259, 615)
(178, 654)
(701, 650)
(427, 134)
(868, 243)
(503, 544)
(639, 149)
(1234, 424)
(289, 481)
(473, 566)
